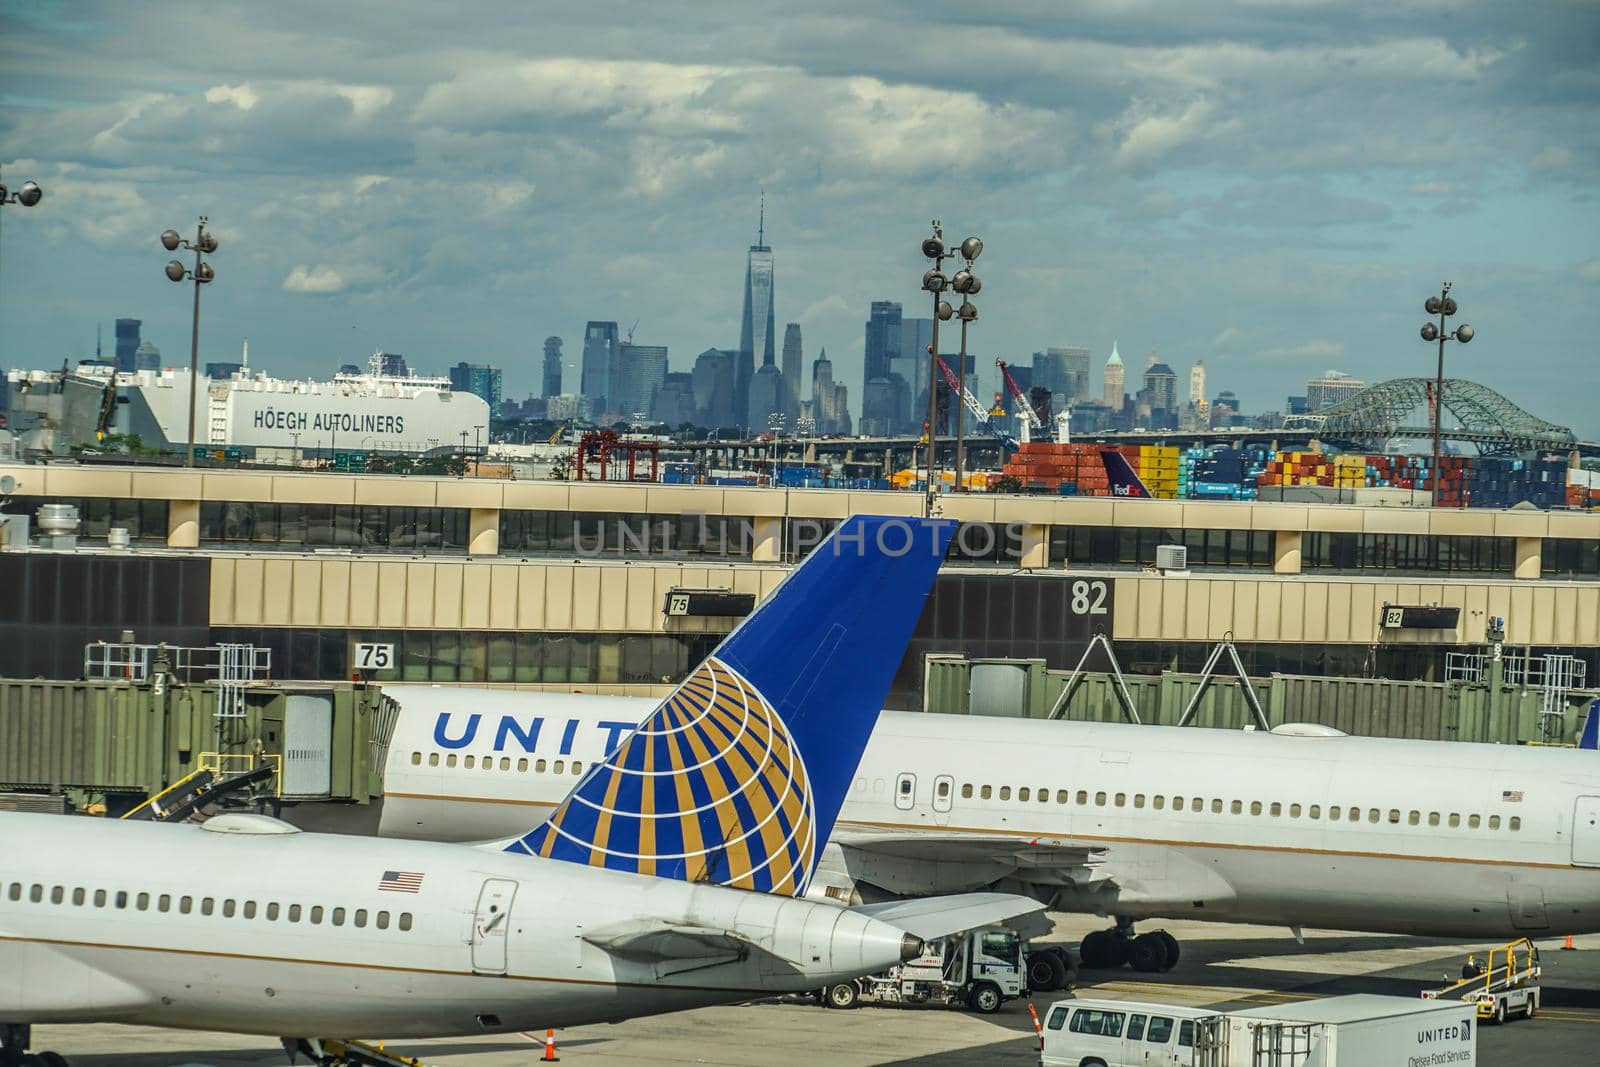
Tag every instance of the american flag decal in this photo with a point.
(1512, 796)
(401, 881)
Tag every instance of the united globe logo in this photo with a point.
(709, 788)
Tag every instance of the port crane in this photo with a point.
(972, 405)
(1028, 418)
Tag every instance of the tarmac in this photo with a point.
(1221, 966)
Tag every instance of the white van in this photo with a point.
(1124, 1033)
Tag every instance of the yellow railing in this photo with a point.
(228, 764)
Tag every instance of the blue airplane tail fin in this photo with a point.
(1591, 728)
(737, 777)
(1124, 480)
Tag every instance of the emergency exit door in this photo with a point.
(1586, 832)
(490, 925)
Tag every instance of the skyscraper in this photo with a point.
(1161, 383)
(599, 350)
(1051, 371)
(822, 392)
(551, 383)
(1323, 392)
(127, 343)
(643, 369)
(480, 379)
(1115, 380)
(791, 370)
(1077, 358)
(713, 387)
(881, 410)
(146, 357)
(757, 336)
(767, 398)
(1197, 382)
(916, 337)
(883, 338)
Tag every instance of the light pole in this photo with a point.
(477, 450)
(775, 421)
(28, 194)
(1444, 306)
(204, 244)
(934, 283)
(966, 283)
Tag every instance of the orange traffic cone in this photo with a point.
(1569, 946)
(1038, 1028)
(550, 1048)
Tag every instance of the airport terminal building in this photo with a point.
(625, 587)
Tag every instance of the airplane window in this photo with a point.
(1024, 793)
(1255, 807)
(1099, 800)
(488, 763)
(1237, 807)
(416, 759)
(983, 794)
(1373, 815)
(577, 766)
(1433, 818)
(383, 920)
(1316, 811)
(142, 902)
(228, 908)
(1394, 815)
(249, 909)
(185, 905)
(1333, 812)
(1355, 814)
(272, 912)
(1276, 809)
(522, 764)
(405, 920)
(1198, 805)
(1455, 820)
(1177, 803)
(450, 760)
(16, 891)
(1122, 800)
(1515, 823)
(1083, 796)
(1138, 800)
(1415, 818)
(538, 766)
(1494, 822)
(338, 916)
(57, 894)
(78, 896)
(433, 759)
(466, 761)
(1216, 807)
(1159, 801)
(1472, 822)
(122, 898)
(164, 902)
(943, 788)
(905, 786)
(1044, 795)
(505, 763)
(560, 767)
(361, 917)
(1005, 792)
(294, 913)
(36, 894)
(207, 905)
(99, 898)
(966, 791)
(316, 914)
(1294, 811)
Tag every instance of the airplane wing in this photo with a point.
(926, 862)
(931, 917)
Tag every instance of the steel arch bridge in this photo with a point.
(1378, 414)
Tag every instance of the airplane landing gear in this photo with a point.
(14, 1041)
(1149, 953)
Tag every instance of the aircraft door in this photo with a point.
(905, 791)
(944, 795)
(1586, 832)
(1527, 907)
(490, 925)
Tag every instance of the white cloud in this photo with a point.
(1590, 271)
(318, 279)
(240, 96)
(1144, 135)
(366, 100)
(1307, 351)
(368, 181)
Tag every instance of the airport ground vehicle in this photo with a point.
(980, 969)
(1347, 1031)
(1508, 984)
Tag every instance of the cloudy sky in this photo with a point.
(1270, 186)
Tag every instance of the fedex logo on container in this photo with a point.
(520, 733)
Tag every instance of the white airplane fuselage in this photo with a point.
(1445, 839)
(289, 933)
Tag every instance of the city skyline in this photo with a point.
(1255, 190)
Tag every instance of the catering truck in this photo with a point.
(1348, 1031)
(980, 969)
